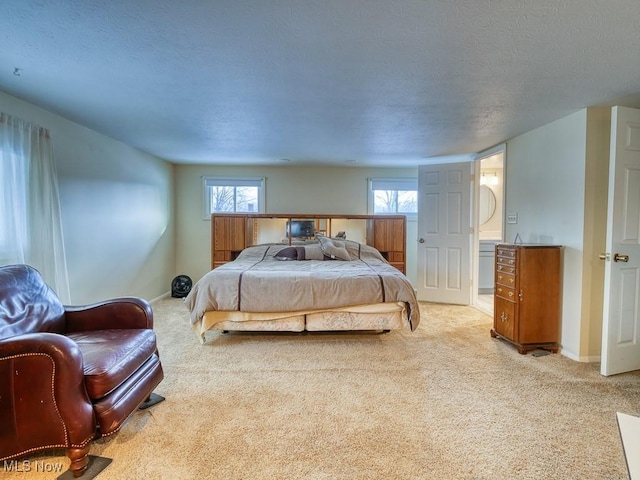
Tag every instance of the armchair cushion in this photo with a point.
(112, 356)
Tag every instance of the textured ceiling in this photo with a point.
(350, 82)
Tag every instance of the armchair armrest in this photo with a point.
(125, 312)
(62, 350)
(46, 374)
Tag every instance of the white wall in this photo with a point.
(289, 189)
(117, 210)
(546, 186)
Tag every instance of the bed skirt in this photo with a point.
(378, 316)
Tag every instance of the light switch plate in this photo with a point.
(512, 217)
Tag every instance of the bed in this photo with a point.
(330, 284)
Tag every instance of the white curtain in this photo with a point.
(30, 220)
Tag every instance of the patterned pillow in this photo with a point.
(353, 248)
(333, 249)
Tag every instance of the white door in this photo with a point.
(621, 316)
(444, 231)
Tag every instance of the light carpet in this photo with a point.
(444, 402)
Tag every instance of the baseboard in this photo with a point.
(578, 358)
(161, 297)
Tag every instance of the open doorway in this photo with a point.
(490, 198)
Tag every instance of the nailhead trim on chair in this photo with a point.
(66, 437)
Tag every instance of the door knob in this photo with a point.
(620, 258)
(603, 256)
(421, 240)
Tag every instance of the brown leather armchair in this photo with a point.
(69, 375)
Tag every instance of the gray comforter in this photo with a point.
(261, 281)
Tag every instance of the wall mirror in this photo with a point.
(487, 204)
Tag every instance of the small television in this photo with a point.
(301, 228)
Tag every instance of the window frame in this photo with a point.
(405, 184)
(211, 181)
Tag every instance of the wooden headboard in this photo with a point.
(233, 232)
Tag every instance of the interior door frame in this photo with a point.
(475, 260)
(475, 230)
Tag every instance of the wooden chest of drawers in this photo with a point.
(527, 301)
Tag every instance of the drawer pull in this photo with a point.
(511, 294)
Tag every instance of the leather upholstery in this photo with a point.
(112, 356)
(69, 375)
(27, 304)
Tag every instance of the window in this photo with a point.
(393, 196)
(30, 222)
(233, 195)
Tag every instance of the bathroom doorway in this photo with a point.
(490, 186)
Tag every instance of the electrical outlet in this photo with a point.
(512, 218)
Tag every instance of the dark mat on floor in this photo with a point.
(95, 466)
(153, 399)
